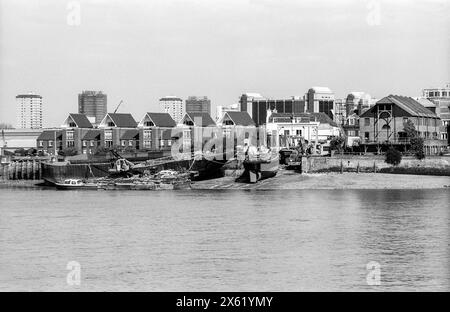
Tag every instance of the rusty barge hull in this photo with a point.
(204, 168)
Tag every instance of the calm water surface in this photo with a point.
(296, 240)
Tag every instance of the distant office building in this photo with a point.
(245, 102)
(29, 111)
(441, 98)
(259, 108)
(220, 110)
(173, 106)
(93, 104)
(198, 104)
(320, 100)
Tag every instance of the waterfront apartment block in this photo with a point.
(173, 106)
(198, 104)
(29, 111)
(93, 104)
(384, 123)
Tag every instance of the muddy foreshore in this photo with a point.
(289, 180)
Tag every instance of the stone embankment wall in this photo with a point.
(432, 165)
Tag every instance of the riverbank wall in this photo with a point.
(432, 165)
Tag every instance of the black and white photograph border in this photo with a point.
(224, 146)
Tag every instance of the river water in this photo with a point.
(213, 240)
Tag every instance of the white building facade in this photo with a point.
(173, 106)
(29, 111)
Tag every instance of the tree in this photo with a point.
(417, 146)
(337, 144)
(416, 143)
(4, 125)
(410, 129)
(393, 156)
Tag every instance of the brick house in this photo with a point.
(155, 131)
(113, 127)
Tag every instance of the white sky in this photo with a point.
(139, 51)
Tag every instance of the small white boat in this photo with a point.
(75, 184)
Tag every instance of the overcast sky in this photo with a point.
(139, 51)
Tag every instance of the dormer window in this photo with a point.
(149, 124)
(72, 124)
(111, 124)
(188, 123)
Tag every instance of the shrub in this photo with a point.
(393, 156)
(69, 151)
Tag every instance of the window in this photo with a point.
(366, 122)
(286, 132)
(299, 132)
(169, 142)
(84, 143)
(147, 143)
(123, 143)
(92, 143)
(69, 135)
(70, 144)
(147, 134)
(366, 136)
(130, 143)
(41, 143)
(162, 143)
(108, 135)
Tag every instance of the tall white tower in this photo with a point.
(172, 105)
(29, 111)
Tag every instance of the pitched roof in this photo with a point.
(240, 118)
(406, 103)
(92, 135)
(48, 135)
(130, 135)
(81, 120)
(205, 119)
(123, 120)
(162, 120)
(314, 117)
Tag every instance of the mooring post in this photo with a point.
(357, 168)
(342, 167)
(374, 167)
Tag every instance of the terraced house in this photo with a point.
(384, 123)
(74, 128)
(155, 131)
(114, 130)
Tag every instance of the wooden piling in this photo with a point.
(374, 167)
(342, 167)
(357, 168)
